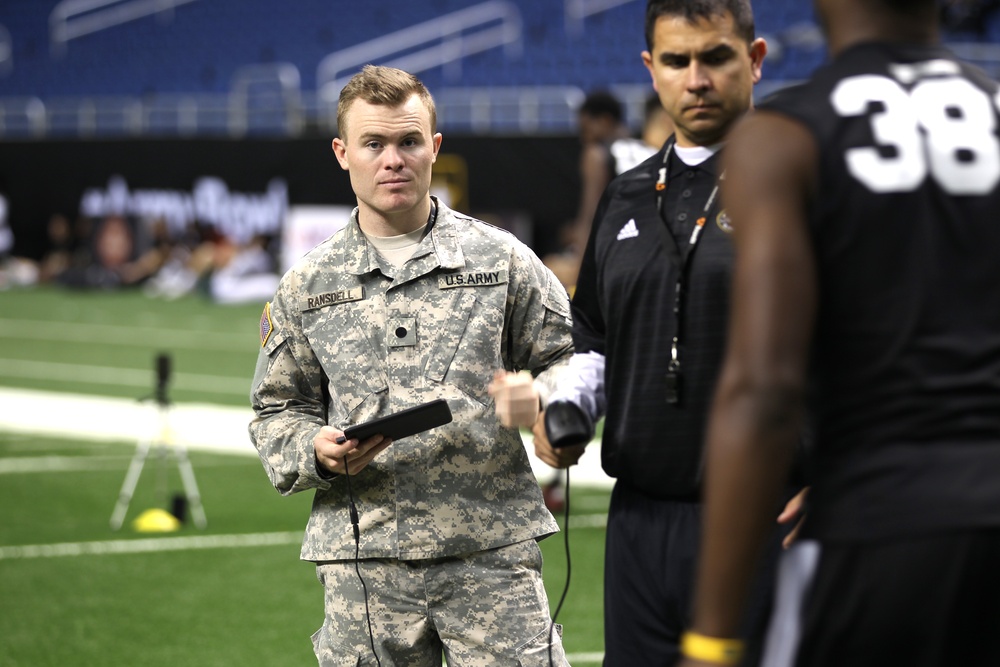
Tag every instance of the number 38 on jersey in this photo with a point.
(943, 127)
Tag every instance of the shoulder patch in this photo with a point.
(472, 279)
(265, 324)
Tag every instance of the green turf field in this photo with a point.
(105, 343)
(74, 592)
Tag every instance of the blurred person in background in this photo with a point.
(630, 152)
(601, 121)
(6, 247)
(608, 150)
(205, 261)
(243, 273)
(412, 302)
(112, 252)
(59, 254)
(865, 299)
(649, 325)
(190, 255)
(6, 235)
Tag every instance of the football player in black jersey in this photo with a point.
(866, 292)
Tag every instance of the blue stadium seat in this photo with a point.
(198, 47)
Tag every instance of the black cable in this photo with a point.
(357, 560)
(569, 568)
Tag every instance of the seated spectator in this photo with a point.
(59, 254)
(13, 270)
(188, 263)
(106, 262)
(244, 274)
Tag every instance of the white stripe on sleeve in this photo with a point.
(582, 383)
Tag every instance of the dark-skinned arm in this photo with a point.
(758, 410)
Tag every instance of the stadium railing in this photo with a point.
(75, 18)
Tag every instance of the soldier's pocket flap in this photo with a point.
(447, 334)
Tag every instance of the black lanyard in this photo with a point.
(674, 368)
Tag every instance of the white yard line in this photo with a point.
(188, 543)
(583, 521)
(121, 377)
(19, 465)
(82, 332)
(149, 545)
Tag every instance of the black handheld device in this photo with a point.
(566, 424)
(404, 423)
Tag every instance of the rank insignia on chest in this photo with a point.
(265, 324)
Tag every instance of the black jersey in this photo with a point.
(623, 308)
(906, 232)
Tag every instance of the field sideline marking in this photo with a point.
(185, 543)
(149, 545)
(121, 377)
(588, 521)
(82, 332)
(19, 465)
(46, 464)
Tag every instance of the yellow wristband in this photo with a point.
(711, 649)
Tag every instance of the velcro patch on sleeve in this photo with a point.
(266, 327)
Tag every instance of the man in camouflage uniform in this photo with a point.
(412, 302)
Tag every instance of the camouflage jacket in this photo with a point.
(349, 338)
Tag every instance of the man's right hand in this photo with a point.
(331, 455)
(562, 457)
(794, 511)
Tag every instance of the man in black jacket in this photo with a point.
(649, 324)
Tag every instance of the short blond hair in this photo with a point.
(382, 86)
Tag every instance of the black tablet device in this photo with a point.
(403, 423)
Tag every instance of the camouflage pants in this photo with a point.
(480, 610)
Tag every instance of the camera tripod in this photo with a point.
(162, 443)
